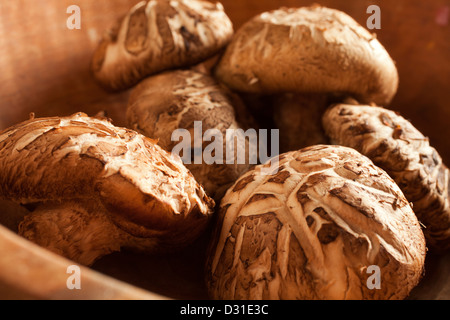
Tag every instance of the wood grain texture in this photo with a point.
(31, 272)
(45, 69)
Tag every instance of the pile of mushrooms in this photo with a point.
(355, 187)
(311, 60)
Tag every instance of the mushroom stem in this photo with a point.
(119, 175)
(78, 230)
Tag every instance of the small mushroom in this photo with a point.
(314, 229)
(396, 146)
(173, 100)
(158, 35)
(115, 175)
(308, 50)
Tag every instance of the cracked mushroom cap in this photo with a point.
(164, 103)
(397, 147)
(145, 191)
(308, 50)
(157, 35)
(312, 229)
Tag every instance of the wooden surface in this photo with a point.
(45, 69)
(28, 271)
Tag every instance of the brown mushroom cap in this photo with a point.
(173, 100)
(312, 229)
(145, 190)
(396, 146)
(310, 49)
(157, 35)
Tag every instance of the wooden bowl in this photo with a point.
(45, 70)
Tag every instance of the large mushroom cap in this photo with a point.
(146, 191)
(397, 147)
(310, 49)
(157, 35)
(314, 230)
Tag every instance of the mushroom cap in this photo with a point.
(145, 190)
(309, 49)
(173, 100)
(157, 35)
(397, 147)
(312, 229)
